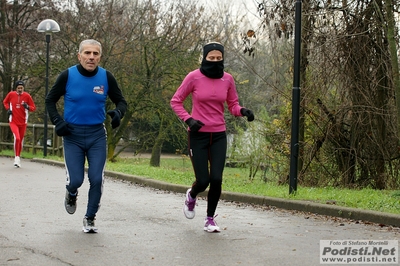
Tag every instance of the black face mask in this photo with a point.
(212, 69)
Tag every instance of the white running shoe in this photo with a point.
(88, 225)
(17, 161)
(210, 225)
(188, 208)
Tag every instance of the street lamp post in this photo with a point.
(294, 146)
(47, 26)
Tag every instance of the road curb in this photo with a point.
(298, 205)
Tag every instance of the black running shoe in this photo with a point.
(70, 202)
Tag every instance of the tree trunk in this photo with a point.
(393, 56)
(158, 143)
(156, 152)
(110, 151)
(305, 29)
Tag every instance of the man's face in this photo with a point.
(19, 89)
(89, 57)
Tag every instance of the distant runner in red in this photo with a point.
(18, 104)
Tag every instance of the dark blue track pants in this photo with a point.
(207, 152)
(86, 142)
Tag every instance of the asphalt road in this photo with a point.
(144, 226)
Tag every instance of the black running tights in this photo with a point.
(207, 152)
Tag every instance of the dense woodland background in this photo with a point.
(350, 115)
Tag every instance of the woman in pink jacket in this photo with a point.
(18, 104)
(210, 88)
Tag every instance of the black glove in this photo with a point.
(194, 125)
(248, 113)
(62, 128)
(115, 117)
(9, 112)
(26, 106)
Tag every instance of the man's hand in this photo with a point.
(9, 112)
(115, 117)
(26, 106)
(194, 125)
(63, 128)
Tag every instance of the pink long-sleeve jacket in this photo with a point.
(208, 100)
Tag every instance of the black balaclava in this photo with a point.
(212, 69)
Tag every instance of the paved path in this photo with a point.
(144, 226)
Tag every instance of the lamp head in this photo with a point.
(48, 26)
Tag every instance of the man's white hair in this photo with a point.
(91, 42)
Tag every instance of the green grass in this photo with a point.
(179, 171)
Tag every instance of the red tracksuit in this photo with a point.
(19, 117)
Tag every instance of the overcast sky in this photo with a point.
(236, 8)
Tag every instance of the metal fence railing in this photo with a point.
(33, 139)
